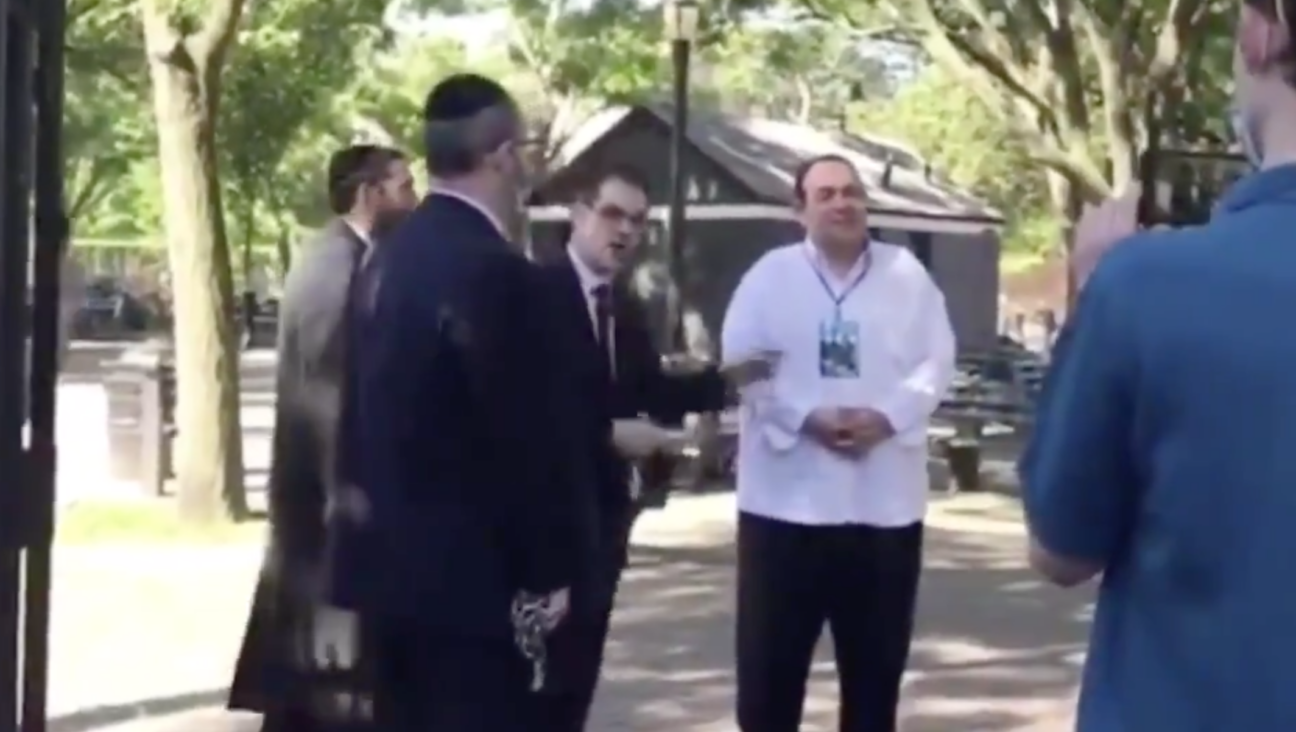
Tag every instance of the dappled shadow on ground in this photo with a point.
(995, 649)
(115, 714)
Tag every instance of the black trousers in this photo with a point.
(792, 579)
(577, 646)
(425, 682)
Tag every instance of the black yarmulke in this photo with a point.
(461, 96)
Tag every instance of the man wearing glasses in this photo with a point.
(613, 356)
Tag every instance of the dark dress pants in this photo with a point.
(577, 650)
(792, 579)
(427, 682)
(276, 677)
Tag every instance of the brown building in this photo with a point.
(739, 174)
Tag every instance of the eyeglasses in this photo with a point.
(614, 214)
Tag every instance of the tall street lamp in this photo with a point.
(681, 25)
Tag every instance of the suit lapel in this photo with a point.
(576, 306)
(324, 311)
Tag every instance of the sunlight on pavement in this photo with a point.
(138, 634)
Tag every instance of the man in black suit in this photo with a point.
(615, 357)
(479, 513)
(370, 190)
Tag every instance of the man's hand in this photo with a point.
(865, 428)
(750, 370)
(869, 426)
(639, 438)
(556, 607)
(1099, 228)
(849, 431)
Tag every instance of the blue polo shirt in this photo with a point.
(1165, 452)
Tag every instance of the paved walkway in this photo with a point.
(996, 651)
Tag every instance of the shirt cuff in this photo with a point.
(781, 423)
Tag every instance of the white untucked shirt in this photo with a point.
(906, 355)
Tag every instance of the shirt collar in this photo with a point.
(821, 264)
(481, 208)
(359, 233)
(1263, 186)
(589, 279)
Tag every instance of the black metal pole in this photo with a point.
(680, 51)
(52, 243)
(13, 356)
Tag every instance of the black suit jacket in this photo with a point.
(639, 385)
(474, 483)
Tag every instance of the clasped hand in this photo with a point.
(848, 431)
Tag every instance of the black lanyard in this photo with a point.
(836, 297)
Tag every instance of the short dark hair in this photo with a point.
(466, 117)
(809, 164)
(589, 189)
(1284, 13)
(355, 166)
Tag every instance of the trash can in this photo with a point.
(963, 455)
(123, 385)
(140, 390)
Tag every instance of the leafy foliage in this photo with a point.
(970, 145)
(1084, 81)
(106, 127)
(291, 58)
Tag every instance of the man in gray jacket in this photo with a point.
(370, 190)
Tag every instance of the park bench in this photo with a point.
(993, 391)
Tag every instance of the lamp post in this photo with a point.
(681, 25)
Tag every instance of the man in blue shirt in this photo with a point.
(1164, 456)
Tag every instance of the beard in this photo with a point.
(387, 220)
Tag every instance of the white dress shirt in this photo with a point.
(906, 354)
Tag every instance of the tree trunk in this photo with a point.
(209, 464)
(284, 247)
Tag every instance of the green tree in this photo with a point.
(809, 73)
(1083, 82)
(280, 86)
(186, 45)
(967, 143)
(385, 100)
(106, 129)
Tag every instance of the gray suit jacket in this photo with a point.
(278, 671)
(309, 386)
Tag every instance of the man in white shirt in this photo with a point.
(832, 456)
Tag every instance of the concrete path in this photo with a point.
(137, 639)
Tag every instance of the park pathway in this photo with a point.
(142, 635)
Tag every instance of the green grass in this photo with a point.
(145, 523)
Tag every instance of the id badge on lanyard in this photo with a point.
(839, 336)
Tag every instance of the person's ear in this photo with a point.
(1261, 41)
(500, 158)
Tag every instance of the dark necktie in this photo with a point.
(603, 324)
(355, 310)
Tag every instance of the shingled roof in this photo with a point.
(763, 154)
